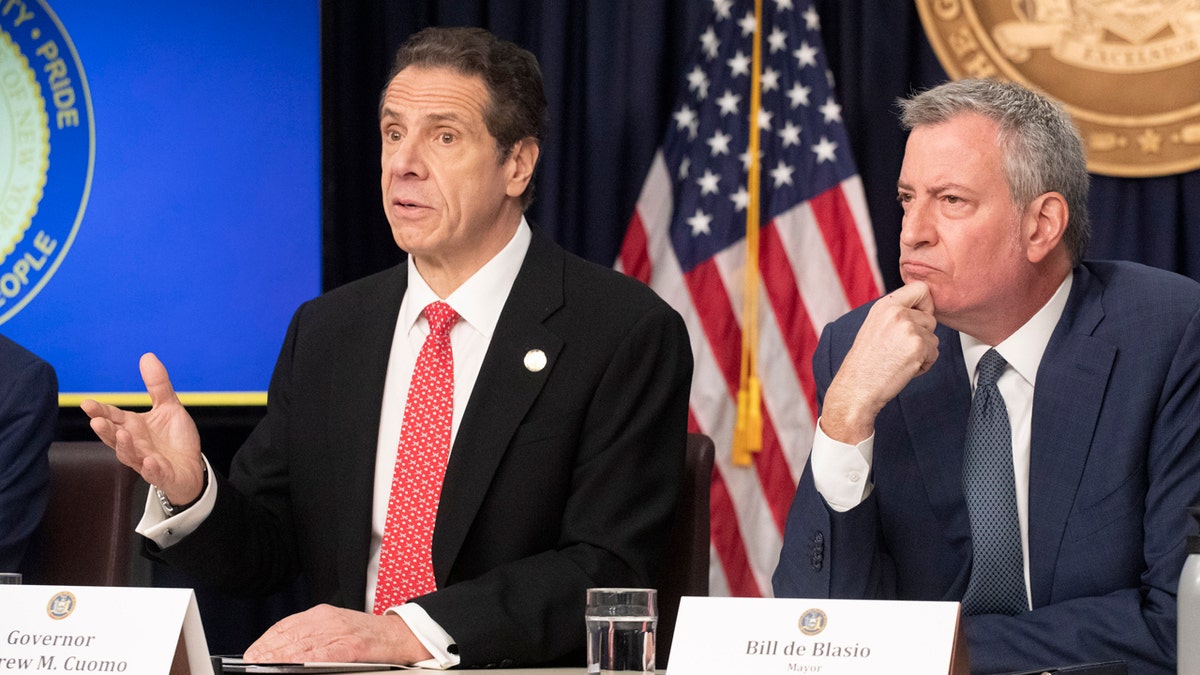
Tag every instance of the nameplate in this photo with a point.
(716, 636)
(101, 629)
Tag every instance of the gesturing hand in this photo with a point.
(895, 344)
(161, 444)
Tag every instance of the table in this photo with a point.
(581, 670)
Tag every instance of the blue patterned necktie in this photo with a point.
(997, 584)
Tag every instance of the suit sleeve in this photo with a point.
(826, 553)
(256, 545)
(28, 417)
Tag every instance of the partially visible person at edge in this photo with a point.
(569, 407)
(1101, 387)
(28, 419)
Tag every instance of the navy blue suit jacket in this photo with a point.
(558, 480)
(28, 419)
(1115, 462)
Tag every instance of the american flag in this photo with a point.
(687, 240)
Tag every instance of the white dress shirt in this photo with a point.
(478, 302)
(840, 470)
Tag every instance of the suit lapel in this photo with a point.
(357, 389)
(1071, 382)
(935, 407)
(503, 394)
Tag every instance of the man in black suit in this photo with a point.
(570, 405)
(28, 418)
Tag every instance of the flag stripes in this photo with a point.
(816, 259)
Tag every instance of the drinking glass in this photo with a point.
(620, 626)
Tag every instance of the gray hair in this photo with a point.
(1042, 149)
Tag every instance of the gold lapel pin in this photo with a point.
(535, 360)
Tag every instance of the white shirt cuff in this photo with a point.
(430, 634)
(165, 530)
(840, 470)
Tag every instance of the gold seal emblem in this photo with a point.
(813, 621)
(1128, 71)
(61, 605)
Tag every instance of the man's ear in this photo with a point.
(1044, 226)
(520, 163)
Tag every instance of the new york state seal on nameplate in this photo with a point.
(1128, 71)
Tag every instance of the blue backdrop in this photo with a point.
(202, 228)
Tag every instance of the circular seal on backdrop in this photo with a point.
(1128, 71)
(812, 622)
(61, 605)
(46, 121)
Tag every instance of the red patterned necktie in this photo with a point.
(405, 562)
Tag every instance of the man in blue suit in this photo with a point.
(28, 417)
(1100, 382)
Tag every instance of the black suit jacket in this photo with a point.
(558, 480)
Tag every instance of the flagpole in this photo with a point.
(747, 437)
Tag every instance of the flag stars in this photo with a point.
(700, 223)
(710, 44)
(698, 82)
(719, 143)
(764, 119)
(782, 174)
(748, 24)
(739, 64)
(709, 183)
(798, 95)
(812, 21)
(740, 199)
(685, 167)
(832, 111)
(806, 55)
(745, 157)
(781, 5)
(770, 80)
(729, 103)
(723, 8)
(790, 134)
(778, 40)
(686, 118)
(826, 150)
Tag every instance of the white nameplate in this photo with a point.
(833, 637)
(101, 629)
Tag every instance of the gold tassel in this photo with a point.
(747, 435)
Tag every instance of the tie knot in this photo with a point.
(441, 317)
(990, 367)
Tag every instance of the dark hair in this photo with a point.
(1042, 149)
(516, 108)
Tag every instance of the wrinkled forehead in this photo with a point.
(960, 150)
(421, 91)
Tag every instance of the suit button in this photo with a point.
(817, 555)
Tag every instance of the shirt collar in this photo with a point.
(480, 298)
(1024, 348)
